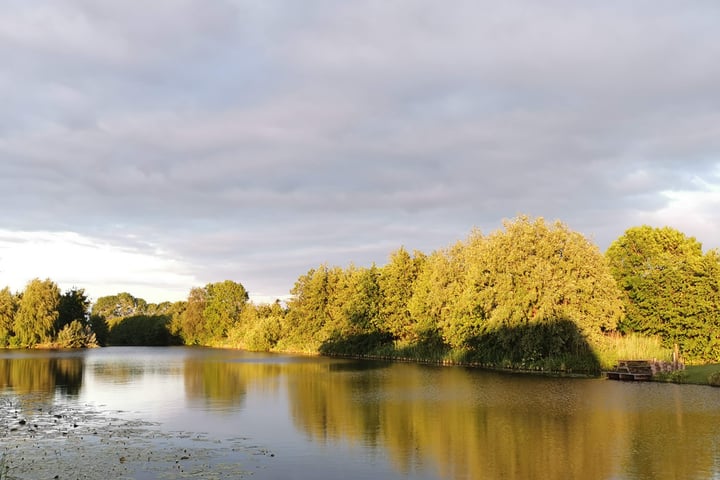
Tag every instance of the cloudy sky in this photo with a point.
(156, 146)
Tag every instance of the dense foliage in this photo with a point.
(40, 315)
(210, 312)
(532, 295)
(672, 289)
(123, 319)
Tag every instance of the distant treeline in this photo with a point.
(533, 295)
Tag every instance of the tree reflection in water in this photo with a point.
(223, 384)
(474, 424)
(43, 374)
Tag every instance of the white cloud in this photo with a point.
(695, 213)
(254, 140)
(73, 260)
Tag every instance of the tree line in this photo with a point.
(533, 295)
(42, 315)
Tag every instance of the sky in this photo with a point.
(158, 146)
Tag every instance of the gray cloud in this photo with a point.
(256, 140)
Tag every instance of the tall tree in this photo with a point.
(670, 286)
(533, 280)
(267, 329)
(192, 320)
(118, 306)
(363, 305)
(100, 328)
(37, 313)
(74, 305)
(353, 301)
(434, 292)
(225, 301)
(308, 309)
(396, 280)
(8, 308)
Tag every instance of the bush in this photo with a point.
(714, 379)
(677, 376)
(76, 335)
(263, 336)
(14, 342)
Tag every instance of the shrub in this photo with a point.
(76, 335)
(677, 376)
(714, 379)
(263, 336)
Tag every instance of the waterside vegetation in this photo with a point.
(531, 296)
(707, 374)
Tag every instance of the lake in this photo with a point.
(180, 412)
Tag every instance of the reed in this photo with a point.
(611, 348)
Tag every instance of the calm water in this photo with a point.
(317, 418)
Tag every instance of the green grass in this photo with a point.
(693, 374)
(699, 374)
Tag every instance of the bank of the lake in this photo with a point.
(694, 375)
(590, 364)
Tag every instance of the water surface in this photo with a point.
(290, 417)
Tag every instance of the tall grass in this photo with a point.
(703, 374)
(609, 349)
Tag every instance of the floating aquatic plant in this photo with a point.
(80, 442)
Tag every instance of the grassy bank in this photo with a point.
(556, 348)
(694, 374)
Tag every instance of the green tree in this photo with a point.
(225, 300)
(143, 330)
(37, 313)
(8, 308)
(671, 288)
(176, 310)
(335, 310)
(537, 290)
(118, 306)
(192, 320)
(307, 310)
(353, 302)
(162, 308)
(100, 328)
(434, 292)
(259, 327)
(268, 331)
(362, 307)
(74, 305)
(397, 279)
(533, 271)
